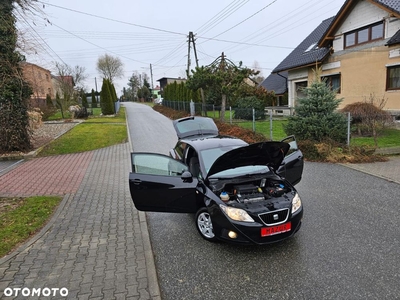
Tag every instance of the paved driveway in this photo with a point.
(96, 245)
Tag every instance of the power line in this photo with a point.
(112, 20)
(246, 19)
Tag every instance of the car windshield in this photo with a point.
(209, 156)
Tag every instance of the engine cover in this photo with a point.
(248, 193)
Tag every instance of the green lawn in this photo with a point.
(263, 127)
(390, 137)
(20, 218)
(96, 132)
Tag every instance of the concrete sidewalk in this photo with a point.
(96, 245)
(389, 170)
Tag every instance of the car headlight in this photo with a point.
(236, 214)
(296, 203)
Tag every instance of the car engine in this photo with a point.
(252, 192)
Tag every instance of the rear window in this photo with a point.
(195, 126)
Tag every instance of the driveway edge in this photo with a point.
(154, 288)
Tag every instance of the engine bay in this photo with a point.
(254, 191)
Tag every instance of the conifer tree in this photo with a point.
(49, 102)
(315, 117)
(84, 99)
(94, 101)
(106, 101)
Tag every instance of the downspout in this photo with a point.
(286, 80)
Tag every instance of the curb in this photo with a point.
(369, 173)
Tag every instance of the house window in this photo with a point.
(300, 87)
(333, 82)
(282, 100)
(364, 35)
(393, 78)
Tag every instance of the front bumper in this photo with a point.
(250, 233)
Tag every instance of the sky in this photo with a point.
(152, 36)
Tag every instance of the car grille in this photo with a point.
(275, 217)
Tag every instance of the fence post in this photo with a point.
(192, 109)
(348, 128)
(230, 115)
(254, 121)
(270, 125)
(214, 110)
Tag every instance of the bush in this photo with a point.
(316, 117)
(367, 119)
(245, 107)
(333, 152)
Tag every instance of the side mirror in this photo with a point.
(187, 176)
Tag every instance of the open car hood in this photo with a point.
(194, 126)
(265, 153)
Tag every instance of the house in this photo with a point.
(358, 51)
(277, 82)
(155, 92)
(40, 81)
(166, 80)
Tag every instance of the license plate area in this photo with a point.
(277, 229)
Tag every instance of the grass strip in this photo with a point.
(22, 217)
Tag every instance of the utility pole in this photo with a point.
(151, 74)
(188, 63)
(95, 82)
(192, 40)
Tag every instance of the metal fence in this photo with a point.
(268, 122)
(258, 121)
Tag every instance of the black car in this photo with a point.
(239, 192)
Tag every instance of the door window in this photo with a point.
(156, 164)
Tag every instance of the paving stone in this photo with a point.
(94, 246)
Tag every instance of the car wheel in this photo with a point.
(204, 225)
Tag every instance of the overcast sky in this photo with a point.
(144, 33)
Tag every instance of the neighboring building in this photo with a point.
(167, 80)
(40, 81)
(358, 51)
(277, 82)
(156, 92)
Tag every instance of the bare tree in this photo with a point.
(69, 81)
(259, 77)
(110, 67)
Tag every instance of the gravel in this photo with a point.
(49, 131)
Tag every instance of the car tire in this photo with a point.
(204, 225)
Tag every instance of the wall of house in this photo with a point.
(363, 68)
(363, 14)
(40, 81)
(363, 73)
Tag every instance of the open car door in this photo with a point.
(156, 184)
(293, 163)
